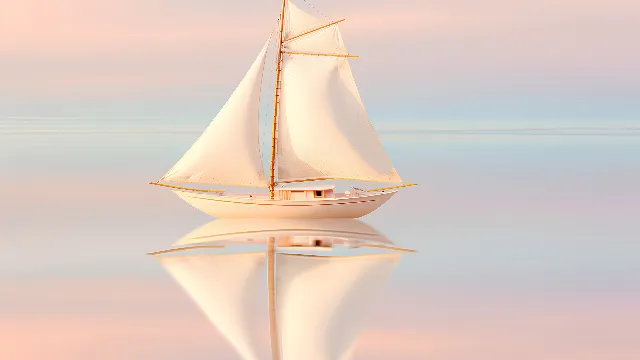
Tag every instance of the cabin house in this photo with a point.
(317, 192)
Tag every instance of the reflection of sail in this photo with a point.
(320, 302)
(316, 303)
(261, 229)
(225, 288)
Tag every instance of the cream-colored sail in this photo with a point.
(321, 302)
(323, 127)
(225, 287)
(297, 21)
(228, 152)
(326, 40)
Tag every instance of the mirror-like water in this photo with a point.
(527, 248)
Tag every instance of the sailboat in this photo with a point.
(317, 303)
(320, 131)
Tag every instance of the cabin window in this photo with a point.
(319, 193)
(318, 243)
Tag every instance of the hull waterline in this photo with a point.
(223, 206)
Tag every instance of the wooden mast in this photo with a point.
(276, 100)
(271, 256)
(271, 281)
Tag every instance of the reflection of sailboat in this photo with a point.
(320, 131)
(316, 303)
(259, 230)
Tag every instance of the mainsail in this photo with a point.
(225, 288)
(228, 152)
(321, 302)
(323, 128)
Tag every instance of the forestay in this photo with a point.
(323, 128)
(321, 302)
(228, 151)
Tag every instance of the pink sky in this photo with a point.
(93, 49)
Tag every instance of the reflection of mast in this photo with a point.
(224, 286)
(273, 329)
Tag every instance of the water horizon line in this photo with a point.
(555, 131)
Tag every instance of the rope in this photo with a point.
(391, 187)
(184, 188)
(314, 8)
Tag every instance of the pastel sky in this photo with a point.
(421, 61)
(527, 243)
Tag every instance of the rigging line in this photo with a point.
(186, 248)
(156, 183)
(316, 9)
(391, 187)
(376, 246)
(312, 54)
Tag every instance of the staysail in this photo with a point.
(323, 128)
(321, 302)
(224, 286)
(228, 151)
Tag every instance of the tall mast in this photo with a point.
(274, 128)
(273, 329)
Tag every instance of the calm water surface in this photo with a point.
(528, 248)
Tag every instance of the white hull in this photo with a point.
(246, 206)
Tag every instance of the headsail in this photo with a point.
(228, 151)
(321, 302)
(323, 128)
(225, 288)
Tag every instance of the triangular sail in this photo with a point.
(297, 21)
(225, 287)
(323, 128)
(321, 302)
(228, 151)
